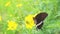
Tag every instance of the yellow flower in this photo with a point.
(7, 4)
(0, 18)
(19, 5)
(12, 25)
(29, 22)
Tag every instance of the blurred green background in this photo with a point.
(17, 10)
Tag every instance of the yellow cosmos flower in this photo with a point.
(0, 18)
(19, 5)
(12, 25)
(29, 22)
(7, 4)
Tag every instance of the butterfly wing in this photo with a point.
(39, 19)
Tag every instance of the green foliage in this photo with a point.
(18, 14)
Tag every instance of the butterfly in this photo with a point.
(39, 18)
